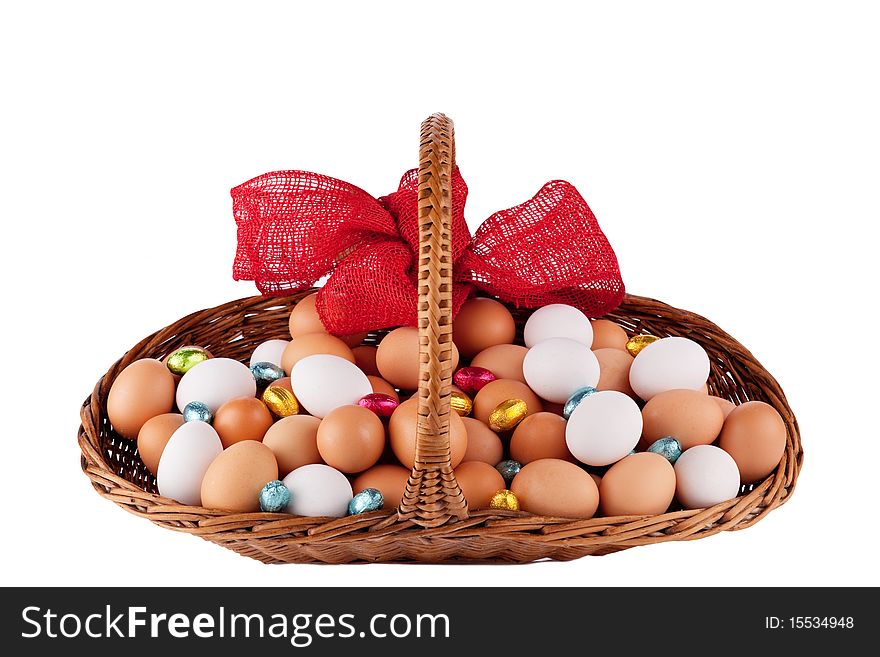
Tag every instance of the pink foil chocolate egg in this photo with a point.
(472, 379)
(381, 404)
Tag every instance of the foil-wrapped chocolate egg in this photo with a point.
(369, 499)
(266, 373)
(381, 404)
(279, 399)
(576, 398)
(638, 342)
(461, 403)
(182, 360)
(504, 500)
(472, 379)
(509, 469)
(274, 497)
(667, 447)
(197, 411)
(508, 414)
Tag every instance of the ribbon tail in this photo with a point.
(294, 227)
(549, 249)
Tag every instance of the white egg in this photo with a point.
(705, 475)
(323, 382)
(558, 321)
(603, 428)
(318, 490)
(269, 352)
(556, 367)
(185, 459)
(214, 382)
(669, 364)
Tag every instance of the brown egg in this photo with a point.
(552, 487)
(311, 344)
(244, 418)
(540, 436)
(398, 358)
(503, 360)
(704, 388)
(365, 359)
(143, 390)
(754, 434)
(688, 415)
(639, 484)
(153, 437)
(726, 405)
(390, 480)
(381, 385)
(351, 438)
(483, 444)
(501, 390)
(614, 367)
(304, 318)
(482, 323)
(294, 441)
(402, 431)
(479, 482)
(608, 335)
(235, 478)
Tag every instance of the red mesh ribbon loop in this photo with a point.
(295, 227)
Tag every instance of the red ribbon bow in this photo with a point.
(295, 227)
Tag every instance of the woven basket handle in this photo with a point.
(432, 495)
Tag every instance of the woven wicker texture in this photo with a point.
(432, 495)
(432, 523)
(234, 329)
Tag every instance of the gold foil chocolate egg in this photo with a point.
(461, 403)
(279, 399)
(638, 342)
(508, 414)
(504, 500)
(501, 390)
(180, 361)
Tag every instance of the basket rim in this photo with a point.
(243, 531)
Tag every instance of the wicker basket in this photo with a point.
(432, 523)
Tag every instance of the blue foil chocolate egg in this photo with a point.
(576, 398)
(274, 497)
(509, 469)
(667, 447)
(197, 411)
(369, 499)
(266, 373)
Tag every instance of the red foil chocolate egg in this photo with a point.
(381, 404)
(472, 379)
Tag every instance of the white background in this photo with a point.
(730, 153)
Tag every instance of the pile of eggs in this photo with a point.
(579, 420)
